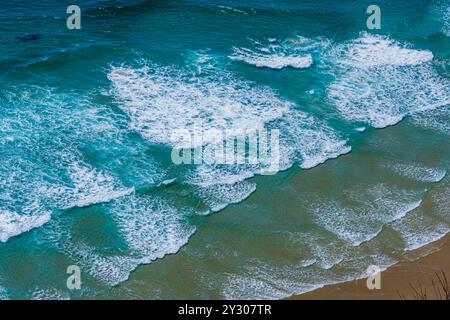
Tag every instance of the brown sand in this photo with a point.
(417, 269)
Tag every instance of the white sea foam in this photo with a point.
(92, 187)
(150, 227)
(219, 196)
(262, 280)
(440, 10)
(225, 9)
(266, 279)
(52, 176)
(3, 295)
(417, 172)
(441, 202)
(49, 294)
(109, 269)
(307, 140)
(160, 100)
(303, 139)
(294, 53)
(248, 288)
(371, 210)
(326, 253)
(273, 61)
(438, 120)
(446, 20)
(379, 81)
(3, 292)
(372, 51)
(419, 229)
(40, 197)
(13, 224)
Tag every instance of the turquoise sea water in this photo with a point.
(85, 151)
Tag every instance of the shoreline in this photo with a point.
(412, 278)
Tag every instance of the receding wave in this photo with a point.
(375, 207)
(150, 227)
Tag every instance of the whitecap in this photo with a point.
(53, 176)
(151, 228)
(419, 229)
(417, 172)
(272, 61)
(160, 100)
(294, 53)
(13, 224)
(307, 140)
(373, 208)
(92, 187)
(373, 50)
(379, 81)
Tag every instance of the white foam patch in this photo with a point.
(294, 53)
(417, 172)
(260, 279)
(42, 175)
(419, 229)
(438, 120)
(36, 197)
(13, 224)
(379, 81)
(49, 294)
(109, 269)
(441, 202)
(440, 9)
(93, 187)
(308, 140)
(272, 61)
(446, 19)
(371, 209)
(263, 281)
(219, 196)
(161, 100)
(3, 293)
(247, 288)
(323, 252)
(151, 229)
(303, 140)
(225, 9)
(372, 51)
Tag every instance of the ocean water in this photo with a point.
(86, 117)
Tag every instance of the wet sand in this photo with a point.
(416, 271)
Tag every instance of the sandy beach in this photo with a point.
(414, 277)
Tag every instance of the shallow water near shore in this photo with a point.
(85, 125)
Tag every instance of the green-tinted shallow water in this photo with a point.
(85, 124)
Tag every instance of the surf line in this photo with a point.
(190, 310)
